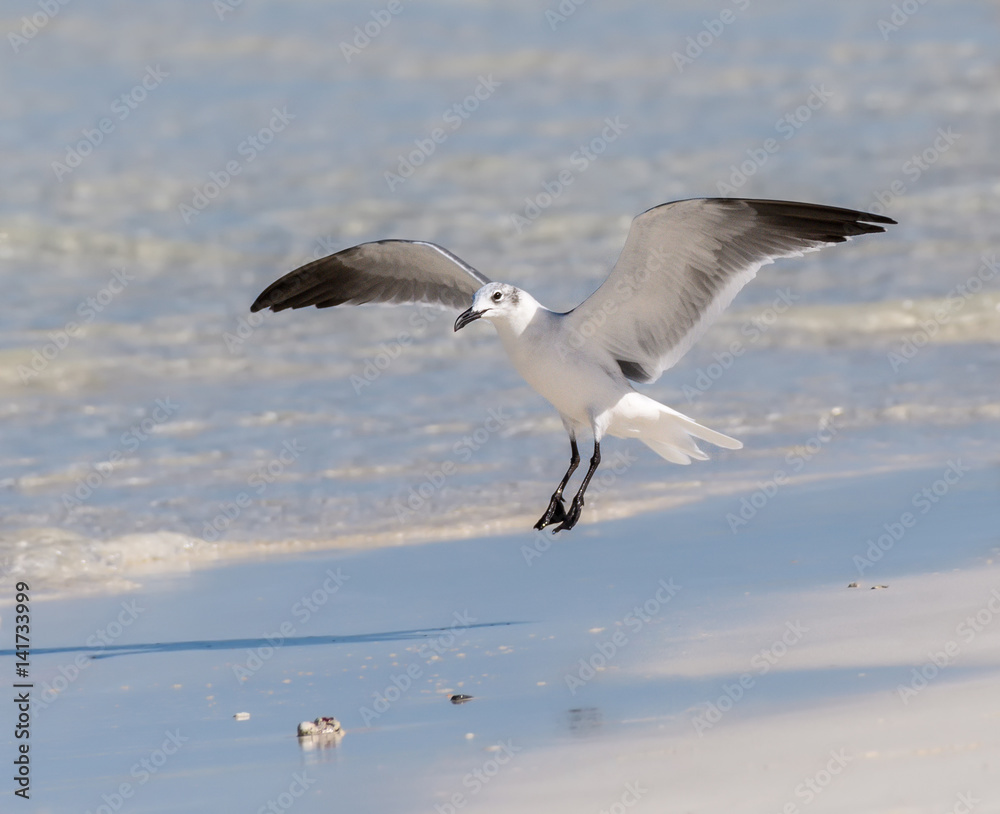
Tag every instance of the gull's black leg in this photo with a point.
(577, 505)
(556, 511)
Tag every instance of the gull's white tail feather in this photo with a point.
(667, 432)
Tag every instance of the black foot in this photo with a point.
(554, 514)
(575, 510)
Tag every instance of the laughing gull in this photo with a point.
(682, 264)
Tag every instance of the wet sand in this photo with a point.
(661, 659)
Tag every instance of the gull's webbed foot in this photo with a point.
(554, 514)
(572, 516)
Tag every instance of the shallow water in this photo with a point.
(150, 422)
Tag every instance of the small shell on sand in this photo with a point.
(327, 726)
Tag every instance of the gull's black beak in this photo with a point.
(466, 317)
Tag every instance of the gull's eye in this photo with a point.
(497, 296)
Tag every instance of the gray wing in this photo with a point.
(684, 262)
(383, 271)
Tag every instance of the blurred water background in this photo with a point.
(166, 161)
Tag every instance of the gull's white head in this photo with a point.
(497, 302)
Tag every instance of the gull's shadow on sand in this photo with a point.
(102, 651)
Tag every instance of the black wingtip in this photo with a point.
(867, 218)
(871, 216)
(829, 224)
(293, 289)
(263, 301)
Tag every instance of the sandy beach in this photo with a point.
(659, 661)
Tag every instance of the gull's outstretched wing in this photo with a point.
(384, 271)
(684, 262)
